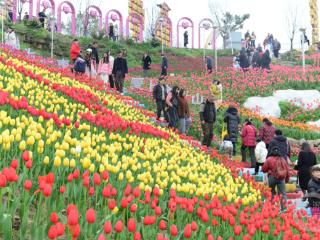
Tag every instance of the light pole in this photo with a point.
(52, 21)
(2, 5)
(215, 47)
(303, 30)
(161, 29)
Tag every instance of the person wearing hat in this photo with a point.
(248, 135)
(120, 69)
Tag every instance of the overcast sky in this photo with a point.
(266, 16)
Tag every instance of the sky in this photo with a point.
(266, 16)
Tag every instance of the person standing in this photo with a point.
(253, 40)
(42, 17)
(120, 69)
(111, 32)
(159, 95)
(277, 169)
(266, 60)
(207, 118)
(276, 48)
(111, 62)
(95, 55)
(255, 59)
(146, 63)
(267, 131)
(248, 135)
(261, 153)
(10, 38)
(185, 39)
(280, 142)
(74, 50)
(116, 33)
(314, 191)
(306, 160)
(104, 68)
(209, 64)
(164, 65)
(232, 119)
(244, 61)
(172, 102)
(183, 113)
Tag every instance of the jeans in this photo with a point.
(161, 104)
(207, 129)
(119, 81)
(252, 156)
(281, 189)
(184, 124)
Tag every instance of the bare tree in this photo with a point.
(225, 21)
(292, 19)
(151, 26)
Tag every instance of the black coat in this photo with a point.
(314, 193)
(244, 61)
(255, 59)
(208, 112)
(265, 62)
(164, 64)
(146, 62)
(120, 65)
(95, 54)
(233, 120)
(282, 144)
(157, 92)
(305, 161)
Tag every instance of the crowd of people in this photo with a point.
(257, 57)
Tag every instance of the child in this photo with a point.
(261, 153)
(227, 146)
(104, 69)
(80, 65)
(314, 191)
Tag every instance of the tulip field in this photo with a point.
(78, 161)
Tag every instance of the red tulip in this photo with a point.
(60, 228)
(162, 225)
(27, 185)
(210, 237)
(136, 192)
(91, 191)
(237, 230)
(124, 203)
(3, 181)
(127, 190)
(131, 225)
(160, 236)
(47, 190)
(90, 216)
(156, 191)
(118, 226)
(75, 230)
(187, 231)
(14, 164)
(29, 164)
(133, 208)
(105, 175)
(157, 210)
(26, 156)
(96, 179)
(52, 233)
(174, 230)
(107, 227)
(194, 226)
(73, 217)
(111, 204)
(54, 217)
(137, 236)
(149, 220)
(62, 189)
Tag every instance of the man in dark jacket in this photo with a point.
(280, 142)
(243, 60)
(120, 69)
(255, 59)
(146, 63)
(276, 48)
(95, 54)
(164, 65)
(208, 118)
(160, 95)
(233, 120)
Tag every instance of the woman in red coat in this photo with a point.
(74, 50)
(248, 135)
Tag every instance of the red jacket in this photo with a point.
(266, 133)
(74, 51)
(248, 135)
(271, 163)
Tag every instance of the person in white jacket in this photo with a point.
(261, 153)
(10, 38)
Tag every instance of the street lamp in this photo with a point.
(52, 21)
(215, 47)
(161, 20)
(2, 5)
(303, 31)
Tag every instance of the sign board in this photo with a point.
(137, 82)
(197, 100)
(235, 40)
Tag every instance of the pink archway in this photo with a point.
(46, 4)
(14, 14)
(67, 8)
(133, 18)
(166, 21)
(94, 12)
(114, 15)
(185, 23)
(205, 24)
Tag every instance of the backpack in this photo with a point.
(281, 170)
